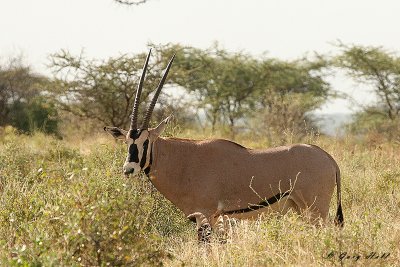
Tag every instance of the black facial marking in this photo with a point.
(134, 134)
(147, 170)
(133, 153)
(143, 159)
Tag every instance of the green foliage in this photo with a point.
(293, 90)
(380, 69)
(60, 208)
(233, 88)
(105, 90)
(373, 125)
(39, 114)
(24, 103)
(99, 90)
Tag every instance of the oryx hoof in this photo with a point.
(204, 233)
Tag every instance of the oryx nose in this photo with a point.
(128, 171)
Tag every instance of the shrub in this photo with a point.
(59, 208)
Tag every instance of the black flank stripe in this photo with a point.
(144, 155)
(261, 205)
(133, 153)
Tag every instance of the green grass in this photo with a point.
(66, 203)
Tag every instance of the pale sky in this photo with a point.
(286, 29)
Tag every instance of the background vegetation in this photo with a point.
(209, 90)
(24, 100)
(65, 202)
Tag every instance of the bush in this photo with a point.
(59, 208)
(25, 102)
(375, 127)
(39, 114)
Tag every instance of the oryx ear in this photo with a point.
(117, 133)
(156, 132)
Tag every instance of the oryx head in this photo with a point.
(140, 139)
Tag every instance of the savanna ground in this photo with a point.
(66, 203)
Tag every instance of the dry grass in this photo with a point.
(371, 202)
(59, 195)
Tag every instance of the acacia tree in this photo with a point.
(223, 83)
(379, 68)
(104, 90)
(195, 70)
(294, 88)
(235, 88)
(240, 79)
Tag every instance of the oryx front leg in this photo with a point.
(203, 227)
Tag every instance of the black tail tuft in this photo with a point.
(339, 220)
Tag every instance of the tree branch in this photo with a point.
(130, 2)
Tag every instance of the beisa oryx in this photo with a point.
(207, 179)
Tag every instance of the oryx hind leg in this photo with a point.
(284, 205)
(314, 209)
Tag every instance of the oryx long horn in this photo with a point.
(155, 97)
(138, 93)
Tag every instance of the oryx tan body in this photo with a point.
(212, 176)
